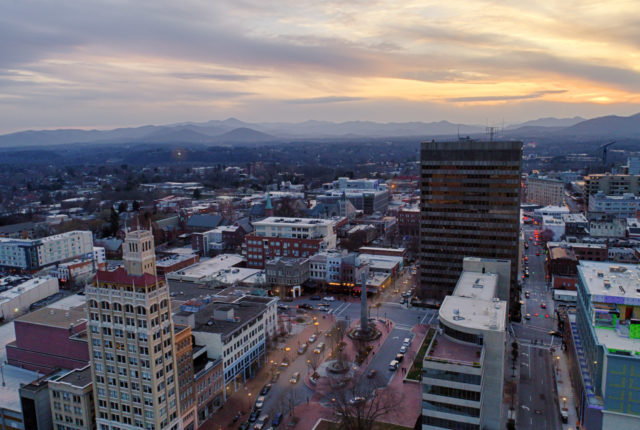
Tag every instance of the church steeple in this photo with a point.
(268, 207)
(138, 253)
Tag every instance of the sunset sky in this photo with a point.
(119, 63)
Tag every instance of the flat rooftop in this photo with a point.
(477, 285)
(473, 313)
(206, 269)
(298, 222)
(14, 378)
(611, 282)
(614, 339)
(77, 377)
(450, 350)
(243, 312)
(56, 317)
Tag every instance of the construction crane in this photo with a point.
(604, 152)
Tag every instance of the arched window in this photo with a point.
(141, 310)
(105, 305)
(117, 306)
(153, 309)
(128, 308)
(164, 303)
(93, 304)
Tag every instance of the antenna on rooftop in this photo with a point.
(491, 131)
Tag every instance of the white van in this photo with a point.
(393, 365)
(406, 342)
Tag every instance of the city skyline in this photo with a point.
(105, 65)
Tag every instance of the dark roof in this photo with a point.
(205, 221)
(168, 223)
(77, 377)
(120, 276)
(243, 313)
(257, 210)
(15, 228)
(245, 223)
(109, 243)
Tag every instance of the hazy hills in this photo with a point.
(235, 132)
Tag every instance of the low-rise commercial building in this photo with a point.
(463, 368)
(604, 206)
(610, 185)
(367, 195)
(286, 272)
(616, 228)
(21, 292)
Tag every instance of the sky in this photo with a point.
(103, 64)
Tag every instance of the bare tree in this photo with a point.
(336, 335)
(359, 405)
(313, 361)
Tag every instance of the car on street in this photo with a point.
(393, 365)
(283, 308)
(316, 298)
(526, 246)
(357, 400)
(305, 306)
(543, 305)
(330, 299)
(527, 316)
(313, 338)
(403, 349)
(526, 273)
(527, 294)
(302, 349)
(265, 390)
(284, 364)
(406, 294)
(259, 402)
(371, 373)
(277, 420)
(555, 333)
(295, 378)
(537, 254)
(406, 342)
(254, 415)
(526, 258)
(275, 377)
(244, 426)
(399, 358)
(319, 348)
(262, 422)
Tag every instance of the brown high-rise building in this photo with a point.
(470, 206)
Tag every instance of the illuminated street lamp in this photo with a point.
(316, 324)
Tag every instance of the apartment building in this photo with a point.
(72, 405)
(132, 343)
(367, 195)
(544, 191)
(34, 254)
(463, 368)
(288, 237)
(287, 272)
(186, 389)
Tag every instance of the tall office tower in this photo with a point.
(470, 206)
(132, 345)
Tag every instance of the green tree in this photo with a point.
(114, 222)
(197, 193)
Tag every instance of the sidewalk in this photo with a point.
(565, 390)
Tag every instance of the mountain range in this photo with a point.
(235, 132)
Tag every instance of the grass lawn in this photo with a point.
(416, 368)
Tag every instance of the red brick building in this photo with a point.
(175, 262)
(50, 338)
(260, 249)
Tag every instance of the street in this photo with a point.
(537, 404)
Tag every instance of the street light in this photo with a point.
(316, 324)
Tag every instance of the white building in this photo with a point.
(235, 332)
(554, 211)
(34, 254)
(298, 228)
(612, 229)
(624, 206)
(463, 368)
(555, 225)
(21, 294)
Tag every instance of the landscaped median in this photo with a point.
(415, 373)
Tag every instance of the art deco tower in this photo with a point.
(131, 341)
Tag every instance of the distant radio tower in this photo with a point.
(491, 131)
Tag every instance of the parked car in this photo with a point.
(259, 402)
(393, 365)
(403, 349)
(254, 415)
(295, 378)
(277, 420)
(543, 305)
(313, 338)
(330, 299)
(244, 426)
(305, 306)
(371, 373)
(262, 421)
(275, 377)
(284, 364)
(399, 358)
(406, 342)
(527, 294)
(316, 298)
(356, 400)
(527, 316)
(319, 348)
(265, 389)
(302, 349)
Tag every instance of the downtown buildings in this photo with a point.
(544, 191)
(470, 206)
(131, 343)
(463, 367)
